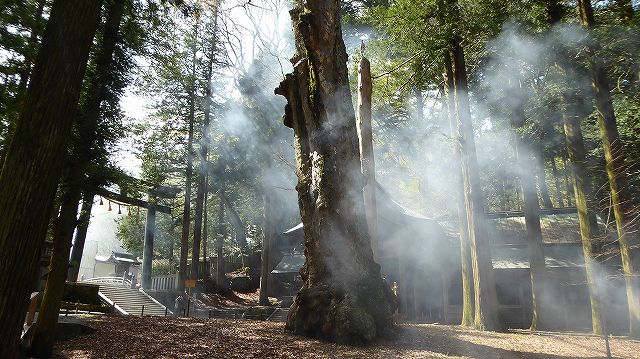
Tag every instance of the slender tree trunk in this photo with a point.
(357, 305)
(486, 304)
(625, 214)
(502, 191)
(44, 331)
(197, 227)
(537, 271)
(201, 180)
(220, 272)
(81, 236)
(542, 177)
(465, 247)
(171, 244)
(518, 197)
(186, 217)
(268, 234)
(556, 181)
(580, 180)
(205, 229)
(239, 230)
(566, 173)
(581, 186)
(33, 162)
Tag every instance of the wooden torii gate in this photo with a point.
(150, 224)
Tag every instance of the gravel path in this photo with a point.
(159, 337)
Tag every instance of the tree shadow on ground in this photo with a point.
(448, 342)
(227, 300)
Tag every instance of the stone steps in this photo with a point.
(131, 300)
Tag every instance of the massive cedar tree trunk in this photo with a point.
(186, 216)
(36, 155)
(65, 224)
(625, 215)
(80, 237)
(465, 248)
(486, 304)
(343, 297)
(537, 271)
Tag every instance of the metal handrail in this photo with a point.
(116, 308)
(125, 282)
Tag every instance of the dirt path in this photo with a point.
(158, 337)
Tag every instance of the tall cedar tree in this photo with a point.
(531, 208)
(343, 297)
(624, 213)
(65, 224)
(186, 216)
(36, 156)
(201, 180)
(580, 178)
(465, 247)
(486, 303)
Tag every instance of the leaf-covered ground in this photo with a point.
(158, 337)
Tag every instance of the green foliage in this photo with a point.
(21, 26)
(163, 267)
(130, 233)
(511, 53)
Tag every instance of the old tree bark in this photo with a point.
(35, 157)
(343, 297)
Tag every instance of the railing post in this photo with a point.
(188, 306)
(165, 311)
(142, 313)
